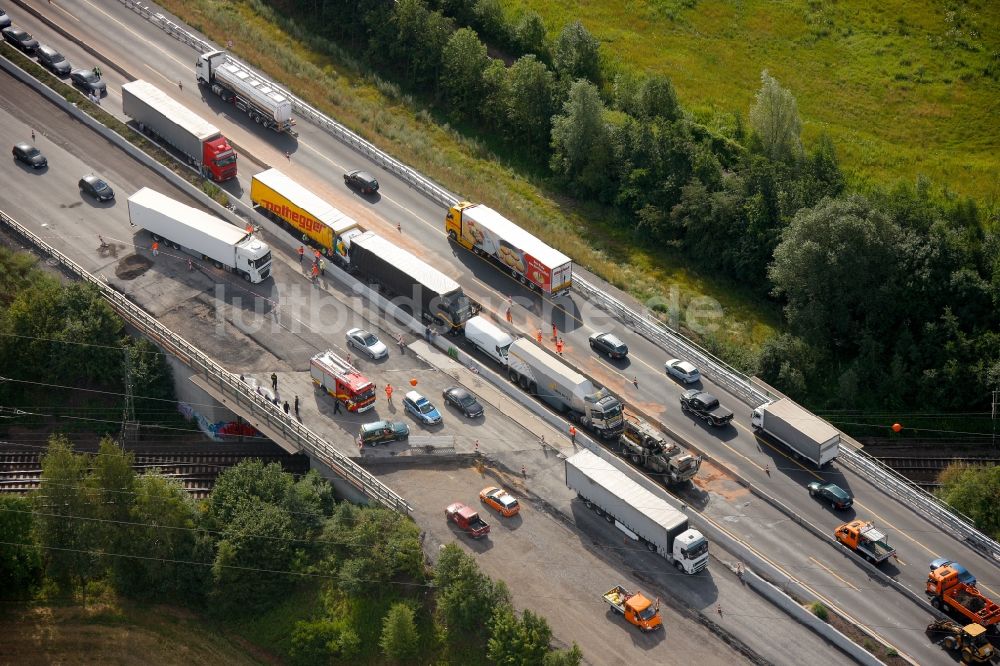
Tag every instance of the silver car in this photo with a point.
(366, 342)
(682, 370)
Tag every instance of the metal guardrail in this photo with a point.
(643, 323)
(223, 380)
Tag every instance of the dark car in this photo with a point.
(607, 343)
(380, 432)
(97, 188)
(20, 39)
(52, 60)
(832, 493)
(463, 401)
(706, 407)
(4, 19)
(89, 82)
(27, 153)
(362, 181)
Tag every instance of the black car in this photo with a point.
(27, 153)
(97, 188)
(832, 493)
(88, 81)
(362, 181)
(706, 407)
(463, 401)
(52, 60)
(607, 343)
(382, 432)
(20, 39)
(4, 19)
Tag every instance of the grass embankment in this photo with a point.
(901, 87)
(377, 111)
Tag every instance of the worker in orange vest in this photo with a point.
(388, 393)
(302, 252)
(156, 248)
(572, 434)
(538, 336)
(559, 346)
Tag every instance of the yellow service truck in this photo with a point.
(314, 221)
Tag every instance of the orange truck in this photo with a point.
(868, 542)
(635, 607)
(948, 592)
(342, 381)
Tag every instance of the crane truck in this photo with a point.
(947, 592)
(160, 116)
(198, 233)
(651, 450)
(528, 260)
(649, 518)
(566, 390)
(806, 435)
(249, 92)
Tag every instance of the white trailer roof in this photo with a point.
(307, 201)
(426, 274)
(260, 89)
(193, 217)
(516, 236)
(608, 476)
(553, 367)
(808, 424)
(172, 109)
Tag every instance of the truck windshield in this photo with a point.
(263, 261)
(365, 394)
(612, 412)
(459, 308)
(648, 613)
(695, 550)
(226, 159)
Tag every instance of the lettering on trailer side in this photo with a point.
(284, 211)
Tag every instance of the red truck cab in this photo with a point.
(219, 158)
(467, 519)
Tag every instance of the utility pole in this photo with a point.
(994, 414)
(130, 427)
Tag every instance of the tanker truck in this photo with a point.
(249, 92)
(160, 116)
(565, 389)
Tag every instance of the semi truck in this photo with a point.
(566, 390)
(198, 233)
(294, 207)
(162, 117)
(643, 516)
(342, 381)
(433, 293)
(528, 260)
(634, 607)
(648, 448)
(862, 537)
(247, 91)
(806, 435)
(947, 592)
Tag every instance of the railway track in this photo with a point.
(21, 472)
(924, 471)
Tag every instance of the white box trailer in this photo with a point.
(249, 92)
(639, 513)
(198, 233)
(804, 433)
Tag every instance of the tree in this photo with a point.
(774, 118)
(399, 633)
(576, 53)
(974, 492)
(20, 558)
(570, 657)
(517, 642)
(111, 491)
(464, 61)
(532, 104)
(489, 18)
(249, 483)
(62, 508)
(465, 595)
(495, 109)
(658, 99)
(581, 145)
(529, 34)
(309, 501)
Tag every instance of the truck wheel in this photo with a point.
(966, 656)
(635, 459)
(949, 643)
(936, 603)
(587, 503)
(523, 382)
(677, 563)
(650, 546)
(452, 235)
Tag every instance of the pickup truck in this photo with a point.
(865, 540)
(467, 519)
(706, 407)
(636, 608)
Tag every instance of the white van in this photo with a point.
(488, 338)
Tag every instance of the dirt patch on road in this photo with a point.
(712, 479)
(132, 266)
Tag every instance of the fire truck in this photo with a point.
(342, 381)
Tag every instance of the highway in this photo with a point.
(317, 161)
